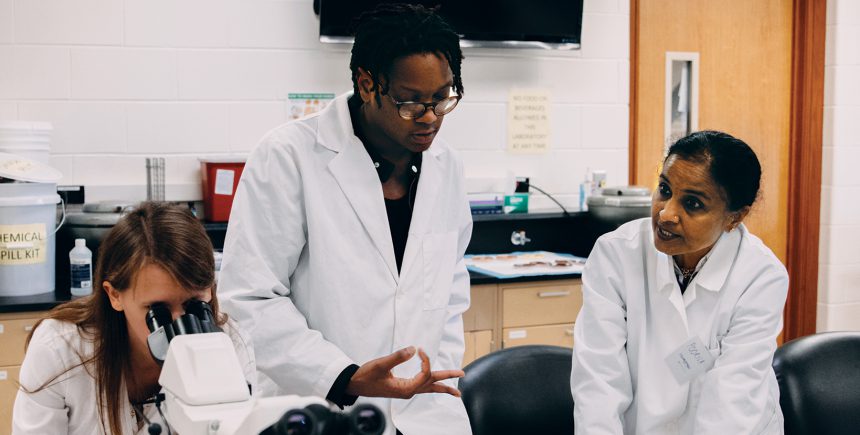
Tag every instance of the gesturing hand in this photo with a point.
(374, 378)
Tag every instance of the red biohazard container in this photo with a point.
(220, 179)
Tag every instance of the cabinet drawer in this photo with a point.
(13, 335)
(556, 335)
(541, 304)
(8, 391)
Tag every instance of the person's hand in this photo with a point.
(374, 378)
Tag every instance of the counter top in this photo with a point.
(46, 301)
(40, 302)
(477, 278)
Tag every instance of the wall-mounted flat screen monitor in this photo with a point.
(555, 24)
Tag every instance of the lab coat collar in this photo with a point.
(353, 169)
(334, 127)
(714, 272)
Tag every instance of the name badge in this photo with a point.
(690, 360)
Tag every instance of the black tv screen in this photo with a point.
(550, 23)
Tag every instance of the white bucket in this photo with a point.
(28, 218)
(27, 139)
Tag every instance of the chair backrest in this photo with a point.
(819, 383)
(520, 390)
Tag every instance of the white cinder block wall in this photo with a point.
(125, 79)
(839, 268)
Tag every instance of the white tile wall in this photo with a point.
(91, 22)
(177, 23)
(248, 122)
(601, 6)
(64, 163)
(839, 257)
(843, 78)
(125, 79)
(81, 126)
(29, 72)
(839, 317)
(123, 74)
(844, 46)
(596, 44)
(268, 24)
(8, 111)
(165, 128)
(7, 23)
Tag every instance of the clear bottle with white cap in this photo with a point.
(81, 266)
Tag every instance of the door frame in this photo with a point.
(805, 156)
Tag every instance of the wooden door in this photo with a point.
(761, 78)
(744, 88)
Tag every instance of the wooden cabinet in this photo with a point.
(478, 344)
(14, 329)
(516, 314)
(540, 303)
(556, 335)
(8, 390)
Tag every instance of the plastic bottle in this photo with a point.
(585, 190)
(81, 266)
(598, 181)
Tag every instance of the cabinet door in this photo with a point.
(556, 335)
(469, 354)
(482, 309)
(478, 344)
(13, 335)
(8, 391)
(541, 304)
(483, 343)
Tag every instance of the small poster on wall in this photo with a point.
(301, 105)
(528, 121)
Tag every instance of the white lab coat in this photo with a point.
(68, 405)
(309, 268)
(634, 315)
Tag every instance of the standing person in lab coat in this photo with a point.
(88, 368)
(681, 311)
(344, 252)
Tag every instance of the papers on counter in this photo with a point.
(518, 264)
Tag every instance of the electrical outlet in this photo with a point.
(522, 185)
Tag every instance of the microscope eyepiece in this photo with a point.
(158, 316)
(366, 419)
(203, 312)
(294, 422)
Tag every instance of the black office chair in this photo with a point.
(819, 383)
(521, 390)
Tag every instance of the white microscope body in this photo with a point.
(205, 394)
(205, 390)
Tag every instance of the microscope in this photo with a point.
(205, 392)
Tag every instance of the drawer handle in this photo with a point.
(28, 328)
(568, 332)
(554, 294)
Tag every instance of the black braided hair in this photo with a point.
(395, 30)
(732, 164)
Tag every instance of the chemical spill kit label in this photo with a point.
(23, 244)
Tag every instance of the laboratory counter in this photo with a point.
(46, 301)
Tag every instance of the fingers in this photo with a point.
(440, 388)
(388, 362)
(441, 375)
(425, 375)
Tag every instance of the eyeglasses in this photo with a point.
(414, 110)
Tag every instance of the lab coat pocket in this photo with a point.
(439, 252)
